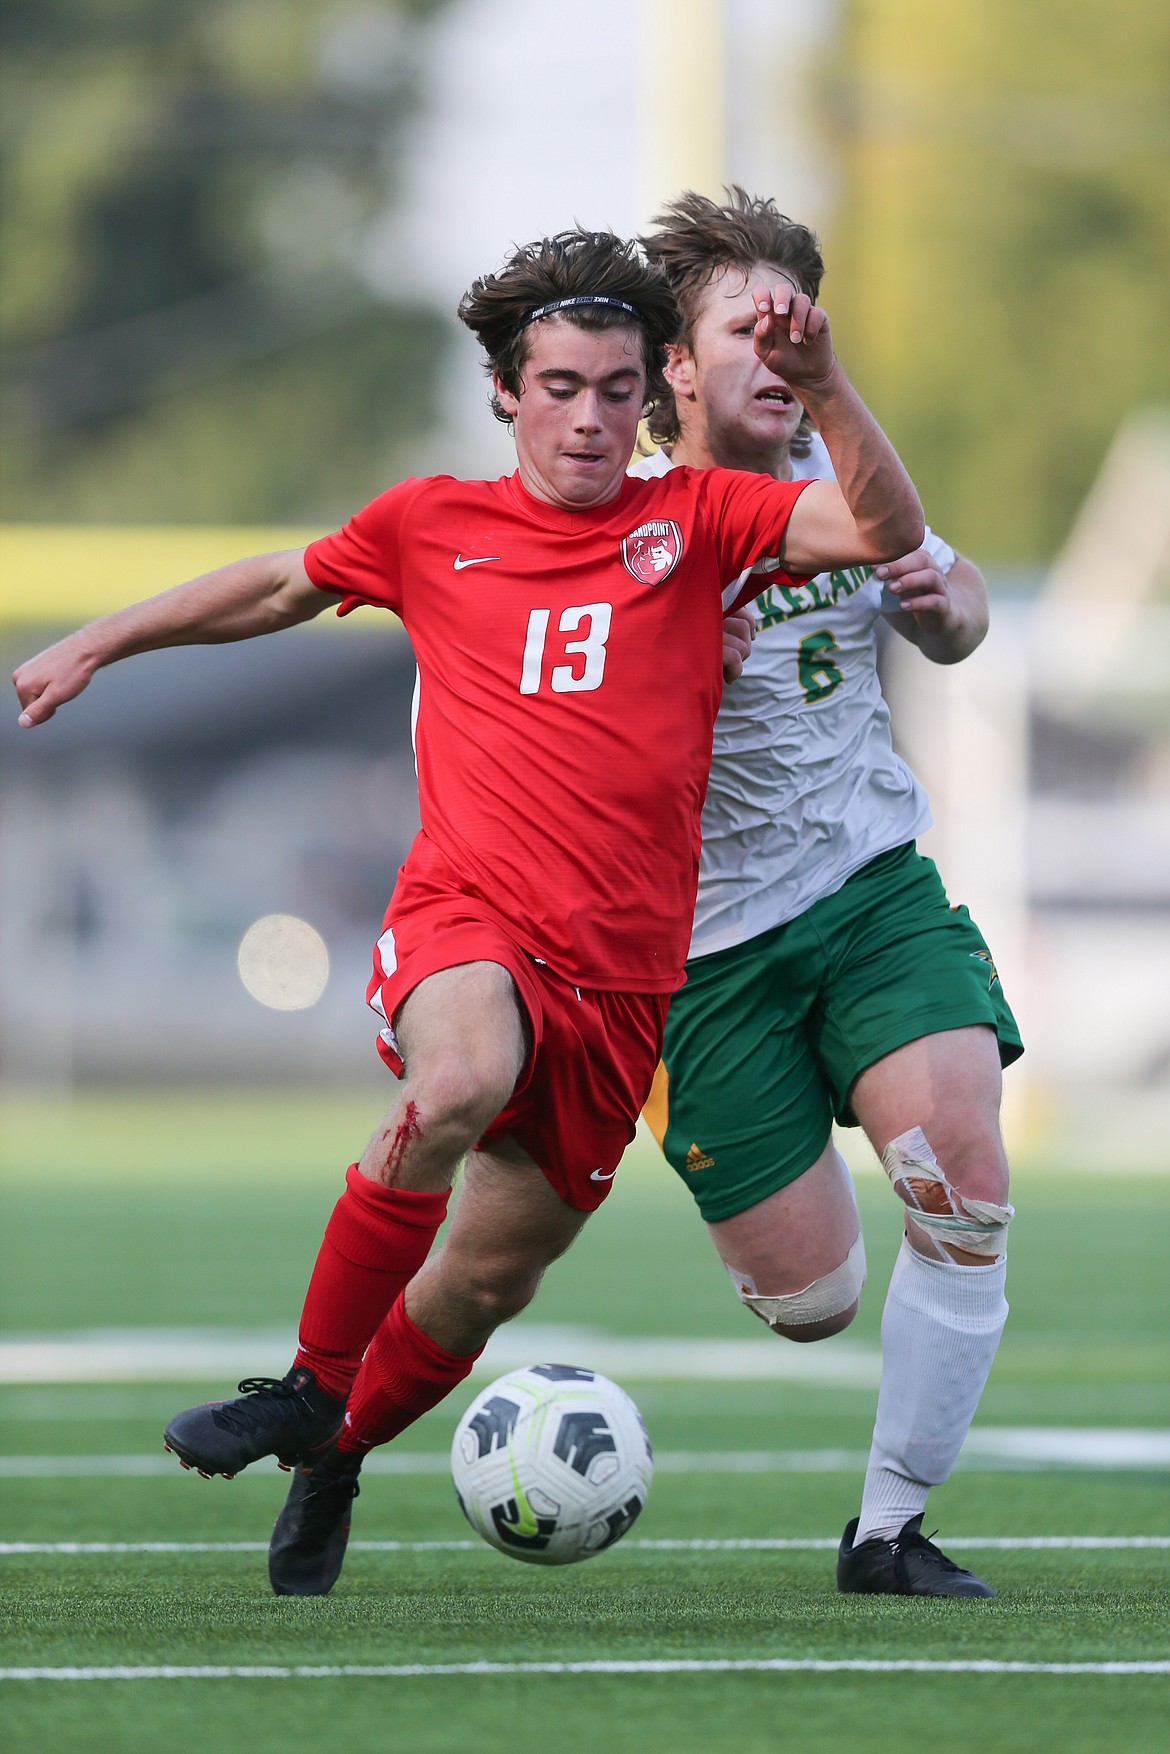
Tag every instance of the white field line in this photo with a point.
(122, 1355)
(988, 1448)
(647, 1666)
(1074, 1446)
(439, 1463)
(810, 1544)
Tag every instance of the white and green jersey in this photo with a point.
(805, 785)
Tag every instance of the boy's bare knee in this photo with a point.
(981, 1175)
(496, 1297)
(437, 1121)
(463, 1092)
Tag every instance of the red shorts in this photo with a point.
(593, 1054)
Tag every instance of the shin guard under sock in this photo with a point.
(403, 1376)
(940, 1329)
(375, 1242)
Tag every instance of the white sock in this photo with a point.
(940, 1330)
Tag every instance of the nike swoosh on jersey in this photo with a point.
(481, 560)
(598, 1176)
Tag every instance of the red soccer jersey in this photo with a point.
(570, 670)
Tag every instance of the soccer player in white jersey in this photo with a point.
(829, 977)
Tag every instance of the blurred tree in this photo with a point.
(1000, 260)
(184, 186)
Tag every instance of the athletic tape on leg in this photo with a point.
(979, 1226)
(825, 1297)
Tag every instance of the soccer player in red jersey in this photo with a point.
(567, 623)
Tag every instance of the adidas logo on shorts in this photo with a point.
(698, 1159)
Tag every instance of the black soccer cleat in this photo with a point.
(290, 1419)
(909, 1565)
(309, 1536)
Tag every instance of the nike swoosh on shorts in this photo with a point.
(597, 1176)
(481, 560)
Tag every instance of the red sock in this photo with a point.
(374, 1244)
(404, 1375)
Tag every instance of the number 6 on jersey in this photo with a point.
(591, 646)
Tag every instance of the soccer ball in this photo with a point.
(551, 1464)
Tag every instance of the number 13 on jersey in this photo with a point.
(594, 619)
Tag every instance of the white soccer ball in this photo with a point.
(552, 1464)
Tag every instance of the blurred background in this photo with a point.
(234, 236)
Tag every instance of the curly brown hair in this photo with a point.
(697, 238)
(573, 264)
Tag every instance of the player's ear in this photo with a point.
(680, 369)
(508, 401)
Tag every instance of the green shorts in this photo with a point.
(765, 1041)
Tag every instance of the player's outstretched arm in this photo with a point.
(239, 601)
(943, 613)
(872, 511)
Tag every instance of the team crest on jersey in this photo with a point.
(652, 551)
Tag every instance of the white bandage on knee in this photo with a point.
(979, 1226)
(825, 1297)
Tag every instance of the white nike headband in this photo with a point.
(581, 298)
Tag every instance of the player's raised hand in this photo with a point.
(51, 678)
(739, 630)
(792, 335)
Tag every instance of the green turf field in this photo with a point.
(132, 1229)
